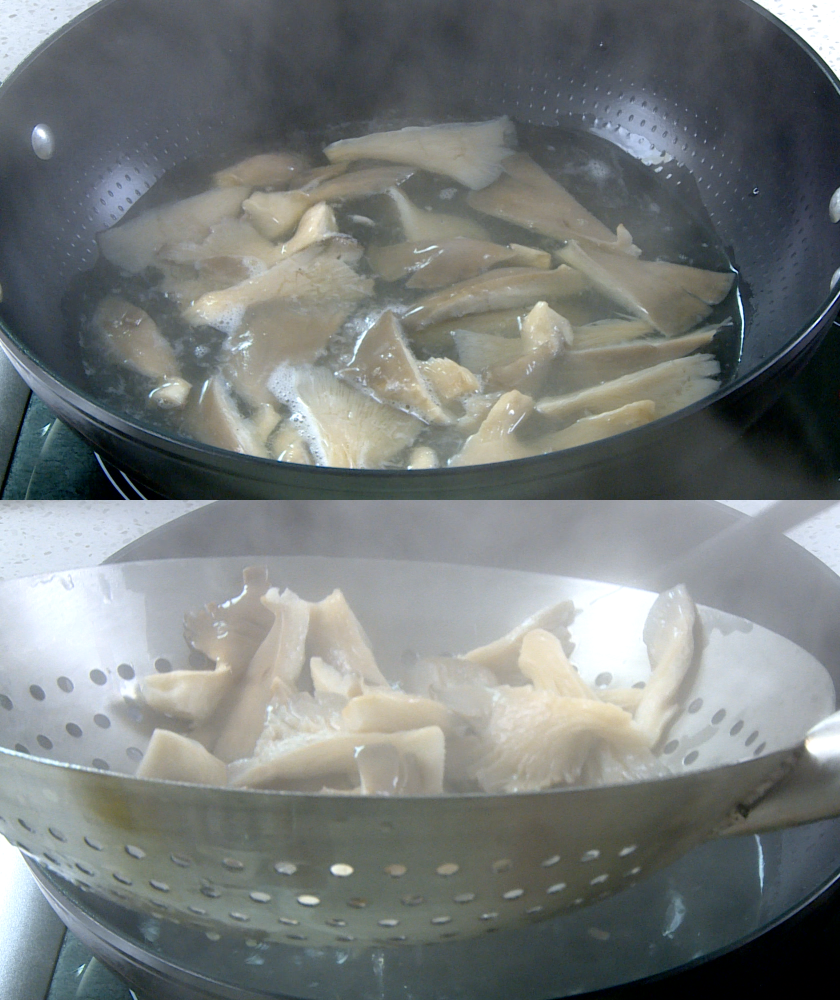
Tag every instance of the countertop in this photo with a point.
(24, 24)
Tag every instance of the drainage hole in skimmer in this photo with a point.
(341, 870)
(241, 918)
(94, 845)
(57, 835)
(260, 897)
(412, 900)
(557, 887)
(695, 706)
(488, 916)
(73, 730)
(513, 894)
(445, 870)
(670, 746)
(627, 850)
(65, 684)
(102, 721)
(181, 860)
(441, 920)
(285, 868)
(464, 897)
(160, 886)
(335, 922)
(306, 899)
(162, 665)
(388, 922)
(98, 677)
(550, 862)
(135, 852)
(44, 742)
(6, 702)
(126, 671)
(691, 757)
(100, 764)
(395, 871)
(502, 865)
(37, 692)
(233, 865)
(592, 855)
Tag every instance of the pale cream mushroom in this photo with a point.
(133, 245)
(496, 439)
(536, 739)
(337, 637)
(545, 335)
(384, 366)
(543, 661)
(527, 196)
(669, 637)
(605, 332)
(433, 264)
(596, 427)
(288, 445)
(479, 352)
(318, 274)
(276, 213)
(262, 170)
(423, 457)
(502, 655)
(671, 385)
(275, 333)
(272, 673)
(593, 365)
(502, 288)
(213, 417)
(358, 184)
(230, 237)
(192, 695)
(672, 297)
(389, 711)
(433, 227)
(450, 381)
(343, 427)
(233, 630)
(316, 225)
(438, 337)
(626, 698)
(326, 679)
(172, 757)
(133, 339)
(472, 153)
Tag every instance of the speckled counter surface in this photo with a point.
(24, 24)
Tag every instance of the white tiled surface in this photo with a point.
(41, 536)
(24, 24)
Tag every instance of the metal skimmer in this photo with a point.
(336, 869)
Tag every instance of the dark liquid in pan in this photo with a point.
(666, 223)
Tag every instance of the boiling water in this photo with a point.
(612, 184)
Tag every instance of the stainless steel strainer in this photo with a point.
(331, 869)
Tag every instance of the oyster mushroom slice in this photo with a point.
(535, 739)
(544, 335)
(672, 297)
(383, 365)
(527, 196)
(192, 695)
(316, 274)
(669, 637)
(502, 655)
(496, 440)
(502, 288)
(435, 264)
(328, 680)
(338, 638)
(233, 630)
(262, 170)
(275, 214)
(342, 426)
(670, 385)
(600, 364)
(317, 224)
(597, 427)
(172, 757)
(423, 457)
(287, 445)
(358, 184)
(306, 757)
(605, 332)
(480, 352)
(133, 245)
(272, 673)
(213, 418)
(449, 380)
(438, 337)
(432, 227)
(276, 333)
(472, 153)
(132, 338)
(543, 326)
(543, 661)
(389, 711)
(229, 237)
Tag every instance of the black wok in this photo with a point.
(748, 114)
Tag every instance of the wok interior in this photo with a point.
(70, 695)
(742, 121)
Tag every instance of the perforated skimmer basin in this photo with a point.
(331, 869)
